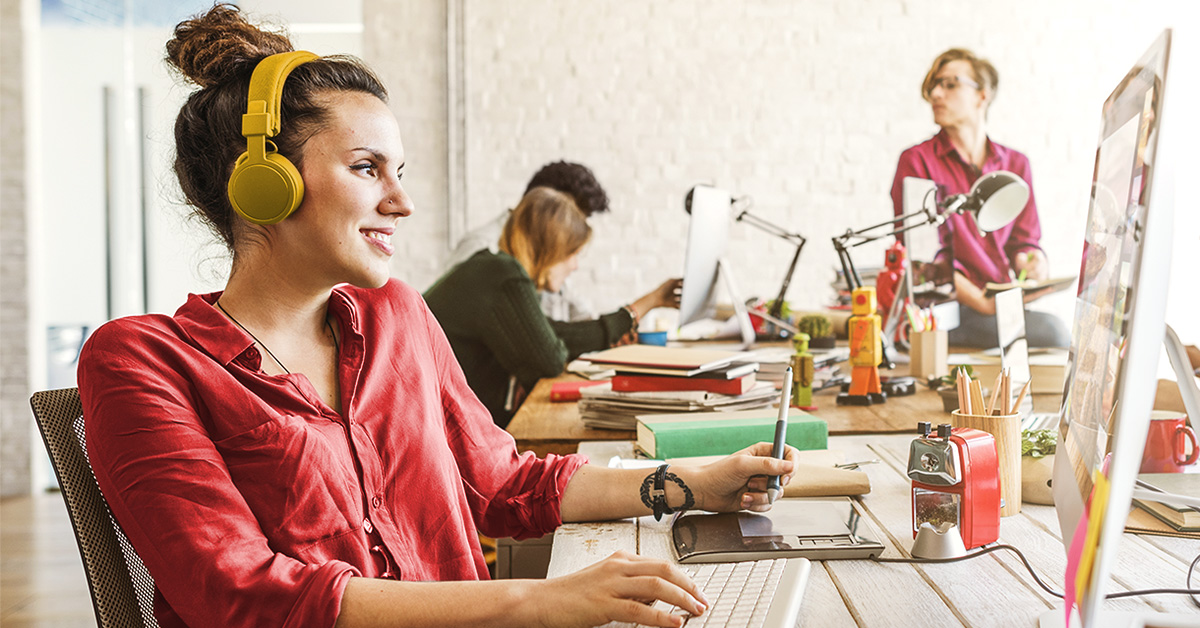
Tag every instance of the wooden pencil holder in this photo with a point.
(928, 352)
(1006, 429)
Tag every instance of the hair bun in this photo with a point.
(216, 47)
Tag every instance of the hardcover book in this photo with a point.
(647, 383)
(1182, 518)
(662, 436)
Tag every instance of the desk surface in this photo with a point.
(992, 590)
(545, 427)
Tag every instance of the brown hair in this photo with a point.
(546, 228)
(982, 71)
(218, 52)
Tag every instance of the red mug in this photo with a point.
(1167, 443)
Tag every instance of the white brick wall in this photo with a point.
(15, 415)
(803, 105)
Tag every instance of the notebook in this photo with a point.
(812, 528)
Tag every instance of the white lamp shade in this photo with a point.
(996, 199)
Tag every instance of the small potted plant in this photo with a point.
(1037, 465)
(819, 330)
(946, 386)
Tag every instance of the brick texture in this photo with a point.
(15, 415)
(803, 105)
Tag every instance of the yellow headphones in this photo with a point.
(265, 187)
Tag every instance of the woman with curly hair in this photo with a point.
(301, 448)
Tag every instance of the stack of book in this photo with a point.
(773, 363)
(1179, 517)
(648, 379)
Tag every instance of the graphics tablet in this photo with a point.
(814, 528)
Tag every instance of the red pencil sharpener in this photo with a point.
(956, 480)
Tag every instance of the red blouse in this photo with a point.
(982, 258)
(252, 502)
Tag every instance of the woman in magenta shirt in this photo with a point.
(959, 88)
(301, 448)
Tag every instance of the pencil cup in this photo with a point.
(1006, 429)
(928, 352)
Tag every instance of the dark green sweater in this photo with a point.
(489, 309)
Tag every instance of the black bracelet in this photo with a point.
(654, 493)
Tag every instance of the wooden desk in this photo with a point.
(545, 427)
(993, 590)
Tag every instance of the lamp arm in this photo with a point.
(852, 279)
(771, 228)
(776, 309)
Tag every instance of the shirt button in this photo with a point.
(375, 501)
(368, 526)
(252, 353)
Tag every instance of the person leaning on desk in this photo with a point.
(488, 305)
(959, 88)
(578, 182)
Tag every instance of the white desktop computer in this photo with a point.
(1117, 337)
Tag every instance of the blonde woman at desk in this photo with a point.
(301, 448)
(488, 304)
(960, 87)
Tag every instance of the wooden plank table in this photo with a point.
(992, 590)
(543, 426)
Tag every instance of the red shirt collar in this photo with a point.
(217, 336)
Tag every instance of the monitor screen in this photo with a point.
(708, 233)
(1118, 328)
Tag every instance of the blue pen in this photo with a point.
(774, 486)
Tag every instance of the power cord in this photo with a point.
(1191, 593)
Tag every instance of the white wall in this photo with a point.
(803, 105)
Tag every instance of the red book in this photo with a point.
(569, 391)
(652, 383)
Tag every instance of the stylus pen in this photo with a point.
(774, 486)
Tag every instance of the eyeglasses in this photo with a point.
(951, 83)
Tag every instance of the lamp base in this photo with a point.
(869, 399)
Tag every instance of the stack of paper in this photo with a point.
(773, 363)
(602, 408)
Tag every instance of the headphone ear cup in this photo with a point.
(265, 191)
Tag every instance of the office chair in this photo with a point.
(122, 590)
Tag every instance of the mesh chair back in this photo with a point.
(122, 590)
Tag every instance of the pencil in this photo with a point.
(976, 397)
(995, 393)
(1017, 406)
(962, 394)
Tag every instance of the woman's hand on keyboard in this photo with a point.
(619, 588)
(739, 481)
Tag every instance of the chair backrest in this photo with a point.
(122, 590)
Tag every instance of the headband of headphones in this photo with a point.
(265, 187)
(266, 92)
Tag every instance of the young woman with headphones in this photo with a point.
(301, 448)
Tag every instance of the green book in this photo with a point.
(663, 436)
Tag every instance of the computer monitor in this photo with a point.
(705, 267)
(1118, 333)
(708, 235)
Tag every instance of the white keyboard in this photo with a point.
(753, 594)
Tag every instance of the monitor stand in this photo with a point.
(1186, 381)
(725, 272)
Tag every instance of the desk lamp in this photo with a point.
(994, 200)
(775, 313)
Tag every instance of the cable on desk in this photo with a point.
(1191, 593)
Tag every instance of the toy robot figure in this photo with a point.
(804, 370)
(885, 284)
(866, 351)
